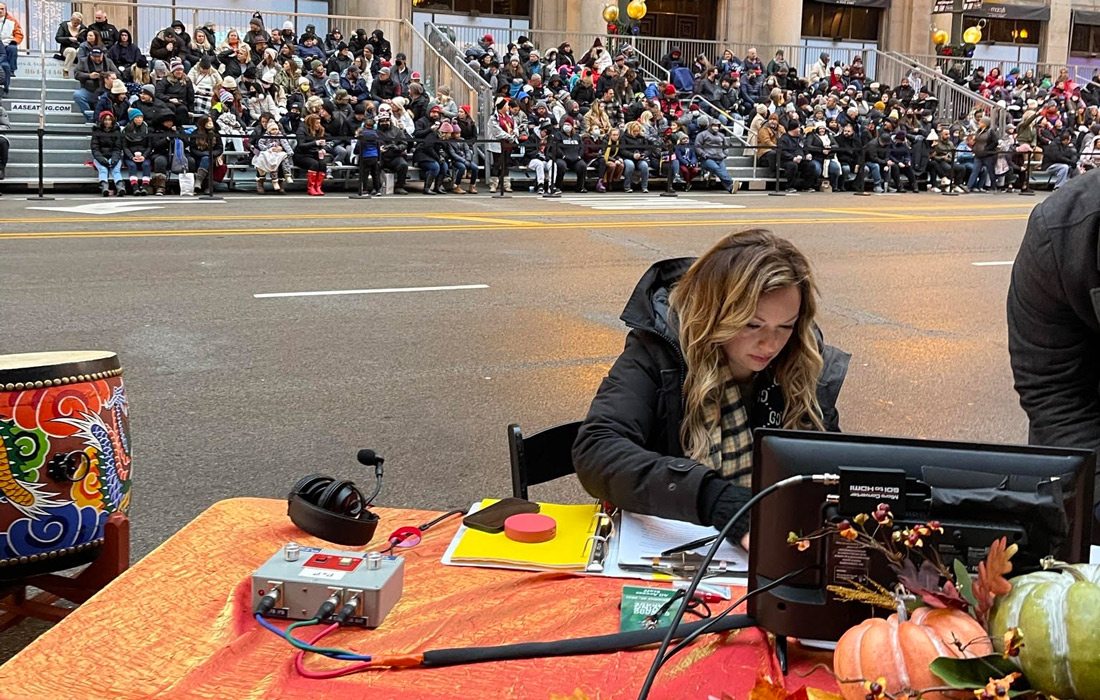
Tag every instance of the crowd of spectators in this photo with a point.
(275, 97)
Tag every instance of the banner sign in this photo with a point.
(943, 6)
(991, 10)
(24, 106)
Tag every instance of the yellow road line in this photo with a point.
(868, 212)
(578, 212)
(482, 219)
(670, 225)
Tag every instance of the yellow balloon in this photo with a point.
(972, 35)
(610, 13)
(636, 9)
(939, 37)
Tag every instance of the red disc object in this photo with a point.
(531, 528)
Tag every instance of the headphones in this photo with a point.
(335, 510)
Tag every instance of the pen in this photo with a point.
(695, 544)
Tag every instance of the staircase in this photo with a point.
(66, 143)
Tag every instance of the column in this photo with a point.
(908, 27)
(1054, 46)
(760, 22)
(393, 9)
(570, 18)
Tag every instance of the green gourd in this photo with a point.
(1058, 613)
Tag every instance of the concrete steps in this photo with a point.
(66, 146)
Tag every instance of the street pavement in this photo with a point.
(234, 395)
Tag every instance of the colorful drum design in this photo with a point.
(64, 458)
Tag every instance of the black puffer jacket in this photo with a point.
(628, 450)
(106, 143)
(136, 139)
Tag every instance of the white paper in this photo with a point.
(1094, 555)
(643, 536)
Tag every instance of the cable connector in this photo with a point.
(328, 607)
(349, 608)
(827, 479)
(268, 601)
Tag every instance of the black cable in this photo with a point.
(448, 514)
(602, 644)
(708, 558)
(687, 640)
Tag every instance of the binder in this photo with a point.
(588, 542)
(570, 549)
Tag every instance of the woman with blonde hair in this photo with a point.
(718, 346)
(596, 119)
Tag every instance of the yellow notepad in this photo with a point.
(568, 550)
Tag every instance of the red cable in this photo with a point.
(300, 665)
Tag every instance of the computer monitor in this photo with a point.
(1042, 498)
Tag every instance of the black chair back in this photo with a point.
(542, 457)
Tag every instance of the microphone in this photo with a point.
(368, 458)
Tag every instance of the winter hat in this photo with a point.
(288, 26)
(315, 64)
(151, 89)
(271, 52)
(133, 113)
(341, 95)
(465, 108)
(97, 51)
(176, 63)
(670, 89)
(415, 75)
(119, 88)
(229, 82)
(256, 22)
(400, 101)
(488, 38)
(434, 109)
(446, 128)
(157, 64)
(384, 70)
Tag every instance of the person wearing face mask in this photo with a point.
(822, 146)
(568, 149)
(710, 149)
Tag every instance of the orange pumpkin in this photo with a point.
(901, 652)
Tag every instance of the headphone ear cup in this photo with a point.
(311, 487)
(342, 497)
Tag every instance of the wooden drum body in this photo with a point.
(64, 458)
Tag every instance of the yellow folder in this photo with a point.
(567, 551)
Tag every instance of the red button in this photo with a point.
(530, 528)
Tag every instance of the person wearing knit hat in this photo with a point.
(175, 65)
(229, 83)
(137, 151)
(149, 89)
(118, 88)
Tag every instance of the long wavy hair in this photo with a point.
(715, 299)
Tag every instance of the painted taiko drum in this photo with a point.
(64, 458)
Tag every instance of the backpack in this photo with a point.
(179, 157)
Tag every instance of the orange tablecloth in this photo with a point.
(179, 624)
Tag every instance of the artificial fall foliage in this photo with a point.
(991, 581)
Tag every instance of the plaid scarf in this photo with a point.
(731, 438)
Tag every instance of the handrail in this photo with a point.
(657, 70)
(469, 76)
(954, 101)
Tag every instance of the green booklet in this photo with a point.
(640, 602)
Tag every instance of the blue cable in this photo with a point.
(339, 654)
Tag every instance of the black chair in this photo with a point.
(542, 457)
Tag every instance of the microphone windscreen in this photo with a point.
(368, 457)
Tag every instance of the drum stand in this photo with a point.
(113, 559)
